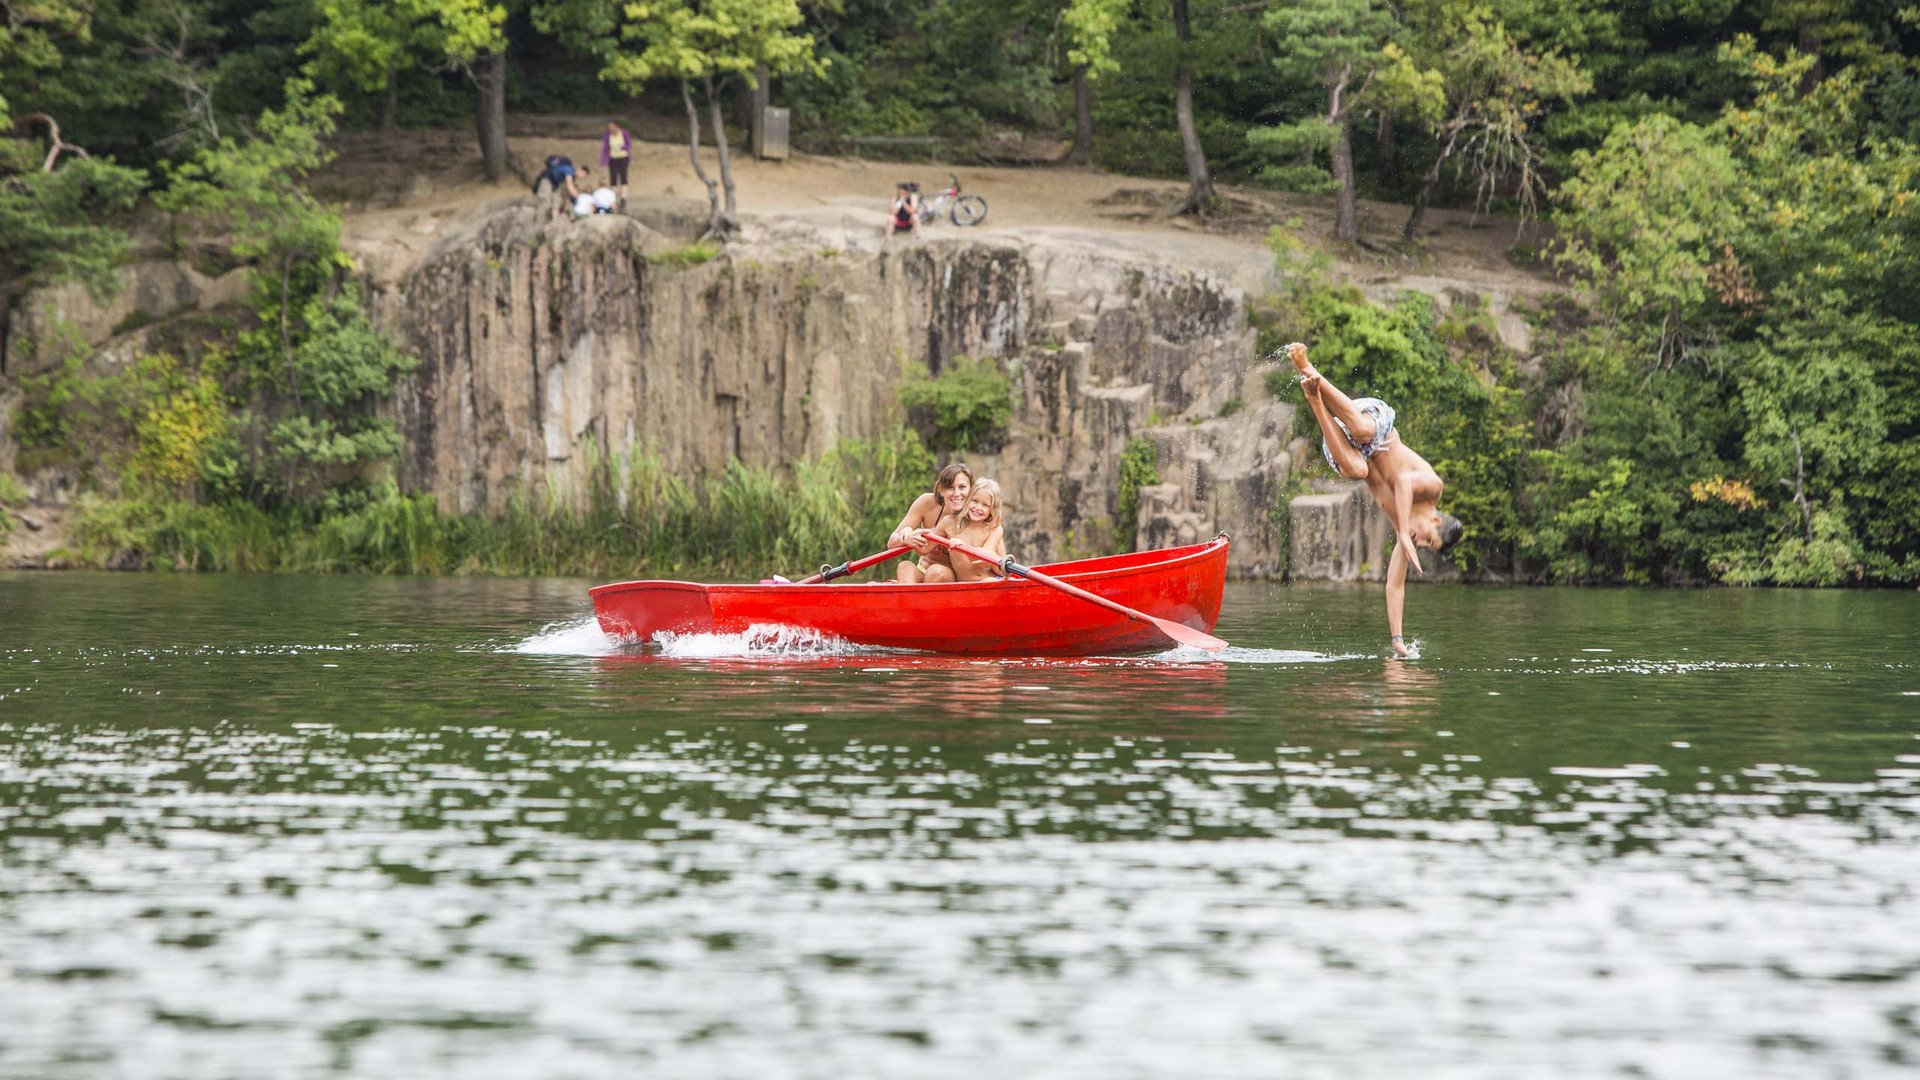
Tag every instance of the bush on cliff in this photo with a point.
(964, 409)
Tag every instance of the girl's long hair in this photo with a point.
(988, 489)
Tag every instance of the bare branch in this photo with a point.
(55, 144)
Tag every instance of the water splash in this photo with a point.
(758, 642)
(1234, 654)
(574, 637)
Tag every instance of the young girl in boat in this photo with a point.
(978, 525)
(946, 500)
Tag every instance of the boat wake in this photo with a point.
(583, 637)
(759, 642)
(1234, 654)
(575, 637)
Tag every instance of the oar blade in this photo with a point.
(1187, 635)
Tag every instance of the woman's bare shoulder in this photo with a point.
(925, 505)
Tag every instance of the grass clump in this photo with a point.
(687, 257)
(633, 518)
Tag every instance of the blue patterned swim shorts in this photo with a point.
(1383, 435)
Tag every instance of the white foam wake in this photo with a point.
(575, 637)
(759, 642)
(1234, 654)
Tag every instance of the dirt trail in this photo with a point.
(403, 192)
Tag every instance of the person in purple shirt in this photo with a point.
(616, 153)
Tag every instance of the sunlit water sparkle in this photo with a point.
(338, 827)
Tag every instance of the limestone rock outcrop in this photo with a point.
(49, 321)
(550, 347)
(544, 344)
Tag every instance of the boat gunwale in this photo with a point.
(1192, 553)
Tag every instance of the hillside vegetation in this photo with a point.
(1734, 186)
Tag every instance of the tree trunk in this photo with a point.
(1199, 184)
(1082, 152)
(1389, 150)
(726, 159)
(490, 112)
(390, 101)
(1428, 182)
(716, 224)
(1346, 210)
(1810, 45)
(1412, 231)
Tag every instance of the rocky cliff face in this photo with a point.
(549, 346)
(543, 343)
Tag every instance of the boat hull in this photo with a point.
(1004, 618)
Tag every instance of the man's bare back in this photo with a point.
(1361, 444)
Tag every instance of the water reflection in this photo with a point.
(324, 847)
(952, 693)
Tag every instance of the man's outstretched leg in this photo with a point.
(1328, 405)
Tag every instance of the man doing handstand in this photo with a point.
(1360, 444)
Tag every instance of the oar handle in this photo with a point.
(828, 573)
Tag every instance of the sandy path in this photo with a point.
(406, 191)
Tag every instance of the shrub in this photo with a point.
(1139, 467)
(965, 408)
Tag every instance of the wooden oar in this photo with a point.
(828, 573)
(1179, 632)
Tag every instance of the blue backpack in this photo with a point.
(559, 167)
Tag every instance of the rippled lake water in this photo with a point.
(314, 827)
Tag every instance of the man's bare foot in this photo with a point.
(1297, 353)
(1400, 647)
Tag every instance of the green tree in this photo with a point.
(30, 35)
(58, 226)
(1199, 198)
(367, 43)
(54, 219)
(1342, 45)
(1088, 27)
(313, 366)
(1752, 271)
(706, 42)
(1480, 92)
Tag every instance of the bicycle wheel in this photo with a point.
(968, 210)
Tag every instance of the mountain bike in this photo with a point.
(960, 209)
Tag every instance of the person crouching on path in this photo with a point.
(906, 209)
(1360, 443)
(616, 156)
(558, 179)
(979, 525)
(946, 500)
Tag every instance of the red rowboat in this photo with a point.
(1002, 617)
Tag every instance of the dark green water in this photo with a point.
(293, 827)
